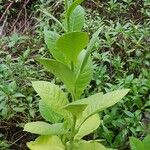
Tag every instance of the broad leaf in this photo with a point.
(91, 124)
(76, 20)
(46, 143)
(83, 78)
(71, 44)
(99, 102)
(84, 145)
(52, 96)
(50, 40)
(44, 128)
(48, 114)
(60, 70)
(75, 109)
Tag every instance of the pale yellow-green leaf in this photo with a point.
(92, 145)
(91, 124)
(46, 143)
(52, 96)
(75, 109)
(48, 113)
(43, 128)
(99, 102)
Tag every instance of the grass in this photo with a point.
(122, 61)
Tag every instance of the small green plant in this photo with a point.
(72, 117)
(137, 144)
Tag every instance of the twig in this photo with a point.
(6, 11)
(2, 27)
(24, 5)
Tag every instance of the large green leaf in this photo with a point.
(50, 40)
(99, 102)
(52, 96)
(84, 77)
(60, 70)
(76, 20)
(48, 114)
(75, 109)
(93, 145)
(43, 128)
(71, 44)
(46, 143)
(91, 124)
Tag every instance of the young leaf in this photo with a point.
(88, 126)
(52, 96)
(60, 70)
(83, 78)
(46, 143)
(76, 20)
(90, 46)
(44, 128)
(50, 40)
(71, 44)
(75, 109)
(48, 114)
(73, 6)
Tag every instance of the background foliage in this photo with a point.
(122, 61)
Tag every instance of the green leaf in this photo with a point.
(60, 70)
(91, 124)
(84, 145)
(73, 6)
(48, 114)
(44, 128)
(46, 143)
(52, 96)
(76, 20)
(75, 109)
(83, 78)
(50, 40)
(99, 102)
(136, 144)
(146, 142)
(71, 44)
(90, 46)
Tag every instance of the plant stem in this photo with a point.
(72, 134)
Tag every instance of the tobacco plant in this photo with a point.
(69, 118)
